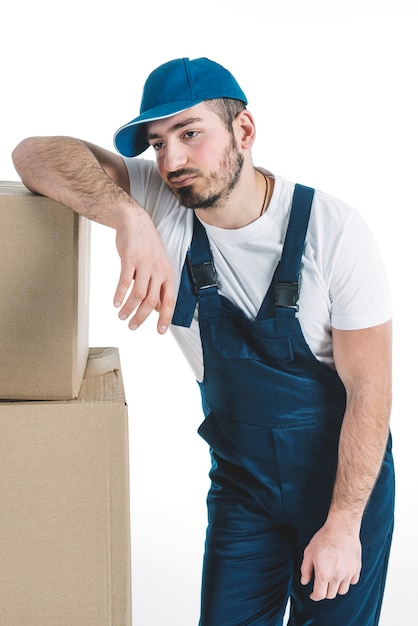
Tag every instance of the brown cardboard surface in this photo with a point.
(44, 295)
(64, 505)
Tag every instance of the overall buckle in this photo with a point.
(287, 295)
(203, 275)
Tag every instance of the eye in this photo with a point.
(190, 134)
(157, 145)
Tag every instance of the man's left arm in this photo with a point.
(364, 364)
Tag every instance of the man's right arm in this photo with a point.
(94, 182)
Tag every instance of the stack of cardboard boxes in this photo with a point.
(64, 474)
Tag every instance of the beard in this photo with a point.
(219, 183)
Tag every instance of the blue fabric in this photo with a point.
(188, 293)
(273, 415)
(289, 266)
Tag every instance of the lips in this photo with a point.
(182, 178)
(182, 181)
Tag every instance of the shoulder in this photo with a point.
(337, 229)
(148, 188)
(142, 172)
(333, 212)
(349, 258)
(331, 218)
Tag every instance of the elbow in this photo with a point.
(22, 149)
(24, 157)
(21, 157)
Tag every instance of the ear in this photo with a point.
(245, 129)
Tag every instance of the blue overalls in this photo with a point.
(273, 414)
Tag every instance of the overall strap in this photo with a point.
(198, 276)
(287, 277)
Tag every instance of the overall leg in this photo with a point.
(249, 557)
(247, 574)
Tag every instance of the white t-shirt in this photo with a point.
(343, 281)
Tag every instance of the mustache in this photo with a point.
(183, 172)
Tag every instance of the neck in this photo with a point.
(246, 203)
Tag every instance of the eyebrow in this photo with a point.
(177, 126)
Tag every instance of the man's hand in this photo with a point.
(333, 559)
(146, 278)
(94, 182)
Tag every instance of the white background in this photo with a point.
(332, 85)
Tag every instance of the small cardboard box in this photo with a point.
(44, 296)
(64, 505)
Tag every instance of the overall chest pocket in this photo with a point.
(239, 338)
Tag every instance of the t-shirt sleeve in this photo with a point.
(359, 289)
(137, 178)
(146, 186)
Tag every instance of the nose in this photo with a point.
(174, 156)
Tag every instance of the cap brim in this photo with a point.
(131, 139)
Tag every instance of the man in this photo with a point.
(277, 296)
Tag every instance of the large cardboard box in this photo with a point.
(64, 505)
(44, 295)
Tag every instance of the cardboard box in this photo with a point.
(44, 295)
(64, 505)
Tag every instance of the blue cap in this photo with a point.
(171, 88)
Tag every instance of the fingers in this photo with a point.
(329, 588)
(327, 584)
(306, 570)
(146, 278)
(141, 295)
(333, 560)
(166, 308)
(124, 284)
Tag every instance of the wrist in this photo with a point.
(348, 520)
(128, 214)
